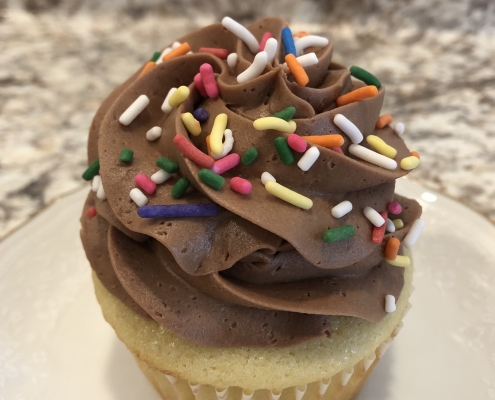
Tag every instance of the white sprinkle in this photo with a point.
(399, 128)
(414, 233)
(232, 60)
(323, 386)
(134, 110)
(384, 347)
(390, 303)
(374, 217)
(346, 375)
(348, 128)
(164, 53)
(310, 41)
(228, 143)
(189, 52)
(390, 227)
(309, 158)
(100, 193)
(160, 176)
(154, 133)
(342, 209)
(242, 33)
(175, 45)
(271, 49)
(267, 177)
(166, 108)
(306, 60)
(372, 157)
(300, 391)
(138, 197)
(368, 361)
(255, 69)
(95, 183)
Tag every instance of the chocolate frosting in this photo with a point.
(260, 258)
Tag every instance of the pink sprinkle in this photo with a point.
(226, 163)
(394, 208)
(240, 185)
(192, 152)
(198, 82)
(216, 51)
(91, 212)
(379, 232)
(145, 183)
(337, 149)
(297, 143)
(209, 82)
(265, 37)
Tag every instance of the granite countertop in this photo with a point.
(58, 61)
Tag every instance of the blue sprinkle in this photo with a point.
(290, 47)
(179, 210)
(200, 114)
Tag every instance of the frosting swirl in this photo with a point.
(260, 258)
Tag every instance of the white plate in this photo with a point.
(54, 343)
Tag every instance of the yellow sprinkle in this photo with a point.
(179, 96)
(381, 147)
(277, 124)
(192, 124)
(398, 223)
(409, 163)
(288, 195)
(400, 261)
(216, 135)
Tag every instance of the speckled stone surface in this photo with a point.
(60, 59)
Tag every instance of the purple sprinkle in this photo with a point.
(179, 210)
(394, 208)
(200, 114)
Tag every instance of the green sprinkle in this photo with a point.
(92, 170)
(284, 150)
(340, 233)
(249, 156)
(167, 165)
(155, 56)
(211, 179)
(126, 155)
(365, 76)
(286, 113)
(180, 188)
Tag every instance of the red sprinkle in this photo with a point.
(216, 51)
(145, 183)
(264, 38)
(297, 143)
(378, 233)
(224, 164)
(91, 212)
(209, 82)
(394, 208)
(240, 185)
(337, 149)
(198, 82)
(192, 152)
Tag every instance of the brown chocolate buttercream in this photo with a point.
(260, 257)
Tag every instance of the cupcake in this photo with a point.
(244, 234)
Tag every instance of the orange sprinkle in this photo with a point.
(208, 145)
(383, 121)
(325, 140)
(300, 34)
(297, 70)
(357, 95)
(184, 48)
(392, 248)
(147, 67)
(415, 154)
